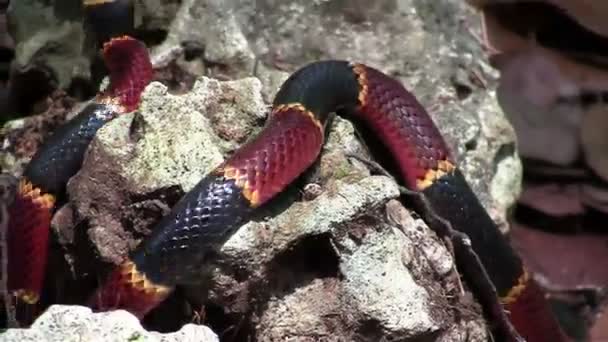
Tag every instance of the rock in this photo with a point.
(331, 281)
(347, 262)
(529, 89)
(377, 286)
(76, 323)
(396, 37)
(600, 327)
(576, 272)
(20, 138)
(59, 43)
(49, 36)
(212, 25)
(553, 87)
(393, 36)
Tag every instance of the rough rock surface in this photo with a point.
(217, 30)
(76, 323)
(20, 138)
(344, 259)
(49, 35)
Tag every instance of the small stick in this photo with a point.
(459, 240)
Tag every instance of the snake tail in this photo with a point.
(530, 314)
(453, 200)
(126, 287)
(423, 159)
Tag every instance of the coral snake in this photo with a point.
(227, 197)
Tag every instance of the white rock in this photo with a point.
(61, 323)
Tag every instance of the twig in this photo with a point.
(459, 240)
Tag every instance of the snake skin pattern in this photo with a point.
(184, 241)
(403, 125)
(59, 158)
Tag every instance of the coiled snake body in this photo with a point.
(228, 197)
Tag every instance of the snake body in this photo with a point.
(291, 141)
(45, 177)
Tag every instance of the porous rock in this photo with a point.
(210, 24)
(75, 323)
(49, 36)
(431, 47)
(331, 266)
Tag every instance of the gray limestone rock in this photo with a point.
(210, 24)
(61, 323)
(49, 35)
